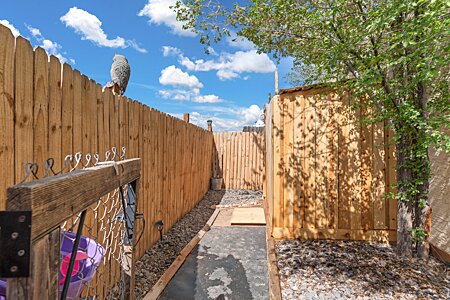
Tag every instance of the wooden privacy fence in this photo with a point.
(326, 172)
(49, 110)
(238, 158)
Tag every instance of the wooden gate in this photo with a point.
(327, 174)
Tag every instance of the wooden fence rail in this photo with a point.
(327, 173)
(49, 110)
(238, 158)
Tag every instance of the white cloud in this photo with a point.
(159, 12)
(11, 27)
(51, 47)
(34, 31)
(170, 51)
(189, 95)
(176, 77)
(186, 87)
(226, 119)
(239, 42)
(90, 28)
(207, 99)
(229, 65)
(226, 74)
(251, 113)
(135, 46)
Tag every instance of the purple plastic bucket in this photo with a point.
(2, 289)
(87, 267)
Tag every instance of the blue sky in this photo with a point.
(169, 69)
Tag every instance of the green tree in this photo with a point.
(395, 52)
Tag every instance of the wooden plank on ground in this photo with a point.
(383, 236)
(274, 277)
(248, 216)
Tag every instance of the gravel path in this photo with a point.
(233, 198)
(357, 270)
(156, 260)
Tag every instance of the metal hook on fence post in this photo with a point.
(122, 156)
(67, 163)
(48, 166)
(88, 160)
(114, 152)
(97, 158)
(107, 155)
(78, 158)
(30, 169)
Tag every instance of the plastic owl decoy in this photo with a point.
(120, 74)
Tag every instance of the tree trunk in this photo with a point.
(423, 247)
(406, 210)
(411, 168)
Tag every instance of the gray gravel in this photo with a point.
(239, 198)
(156, 260)
(357, 270)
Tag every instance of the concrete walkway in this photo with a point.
(230, 262)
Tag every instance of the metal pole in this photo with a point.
(73, 256)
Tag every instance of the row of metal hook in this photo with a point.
(71, 163)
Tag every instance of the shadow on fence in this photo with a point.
(330, 172)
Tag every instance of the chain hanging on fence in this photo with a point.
(96, 245)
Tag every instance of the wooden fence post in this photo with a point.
(186, 117)
(209, 122)
(44, 259)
